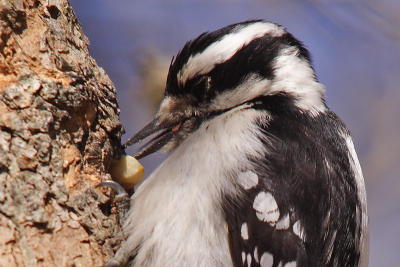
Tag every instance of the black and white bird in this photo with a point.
(261, 172)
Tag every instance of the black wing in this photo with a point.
(302, 210)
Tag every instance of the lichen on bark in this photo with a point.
(59, 131)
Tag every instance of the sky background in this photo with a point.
(355, 47)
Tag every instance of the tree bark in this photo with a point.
(59, 131)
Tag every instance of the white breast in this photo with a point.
(176, 218)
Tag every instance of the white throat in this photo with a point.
(192, 181)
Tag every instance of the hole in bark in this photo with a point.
(105, 208)
(48, 197)
(43, 227)
(3, 168)
(87, 229)
(16, 20)
(54, 12)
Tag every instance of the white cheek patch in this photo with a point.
(266, 208)
(295, 75)
(222, 50)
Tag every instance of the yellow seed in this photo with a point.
(127, 171)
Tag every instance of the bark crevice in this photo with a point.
(59, 131)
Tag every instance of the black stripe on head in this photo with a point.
(194, 47)
(254, 58)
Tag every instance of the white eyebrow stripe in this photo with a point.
(253, 87)
(225, 48)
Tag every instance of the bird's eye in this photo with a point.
(208, 83)
(200, 87)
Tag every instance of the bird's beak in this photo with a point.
(165, 129)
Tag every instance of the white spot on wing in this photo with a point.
(222, 50)
(291, 264)
(283, 223)
(256, 254)
(267, 260)
(266, 207)
(248, 260)
(248, 179)
(298, 230)
(244, 231)
(296, 76)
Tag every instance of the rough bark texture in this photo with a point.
(59, 131)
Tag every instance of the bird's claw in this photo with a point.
(115, 186)
(122, 199)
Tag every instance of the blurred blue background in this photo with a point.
(355, 46)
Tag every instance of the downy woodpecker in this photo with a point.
(261, 172)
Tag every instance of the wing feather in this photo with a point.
(301, 211)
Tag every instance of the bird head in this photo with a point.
(229, 69)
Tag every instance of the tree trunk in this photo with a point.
(59, 131)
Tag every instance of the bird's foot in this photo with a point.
(122, 198)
